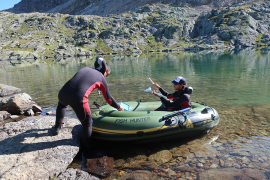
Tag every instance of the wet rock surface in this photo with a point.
(29, 151)
(102, 166)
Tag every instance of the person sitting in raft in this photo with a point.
(75, 93)
(181, 97)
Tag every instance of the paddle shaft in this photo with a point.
(152, 81)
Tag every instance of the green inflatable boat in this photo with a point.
(140, 123)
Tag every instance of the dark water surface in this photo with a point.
(235, 83)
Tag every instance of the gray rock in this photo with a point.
(6, 90)
(76, 174)
(36, 108)
(4, 115)
(170, 43)
(29, 151)
(173, 31)
(29, 112)
(17, 103)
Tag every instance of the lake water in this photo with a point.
(235, 83)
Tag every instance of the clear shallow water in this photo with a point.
(235, 83)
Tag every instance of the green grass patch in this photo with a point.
(181, 44)
(153, 45)
(102, 48)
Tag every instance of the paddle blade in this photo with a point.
(148, 90)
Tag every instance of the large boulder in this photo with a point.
(16, 104)
(6, 90)
(29, 151)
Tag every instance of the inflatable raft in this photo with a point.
(142, 124)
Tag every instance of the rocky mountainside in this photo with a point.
(105, 7)
(151, 28)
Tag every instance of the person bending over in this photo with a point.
(181, 97)
(75, 93)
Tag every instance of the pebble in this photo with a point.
(214, 166)
(264, 165)
(14, 116)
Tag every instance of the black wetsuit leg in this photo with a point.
(86, 121)
(162, 108)
(60, 114)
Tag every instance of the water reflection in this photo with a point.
(235, 83)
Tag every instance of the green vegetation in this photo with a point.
(227, 43)
(23, 29)
(102, 48)
(153, 44)
(181, 44)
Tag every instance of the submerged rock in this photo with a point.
(139, 174)
(102, 166)
(232, 173)
(161, 157)
(29, 151)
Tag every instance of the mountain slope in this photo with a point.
(104, 7)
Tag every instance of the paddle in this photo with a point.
(152, 81)
(150, 90)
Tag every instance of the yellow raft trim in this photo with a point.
(107, 131)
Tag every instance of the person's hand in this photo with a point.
(121, 109)
(155, 93)
(156, 85)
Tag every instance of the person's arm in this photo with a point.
(163, 92)
(108, 97)
(181, 102)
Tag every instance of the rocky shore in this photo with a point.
(151, 28)
(29, 151)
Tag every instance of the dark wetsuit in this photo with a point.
(75, 93)
(181, 100)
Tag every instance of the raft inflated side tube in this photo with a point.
(175, 113)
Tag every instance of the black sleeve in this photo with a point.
(108, 97)
(176, 104)
(164, 93)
